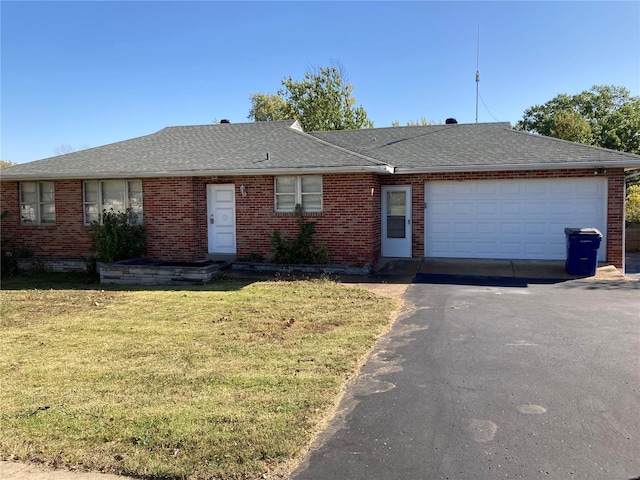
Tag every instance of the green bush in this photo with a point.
(8, 263)
(633, 203)
(118, 237)
(300, 250)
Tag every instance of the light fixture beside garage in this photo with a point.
(600, 171)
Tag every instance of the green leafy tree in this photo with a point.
(422, 122)
(570, 125)
(6, 164)
(322, 101)
(633, 204)
(604, 116)
(268, 106)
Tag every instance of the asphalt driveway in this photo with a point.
(487, 381)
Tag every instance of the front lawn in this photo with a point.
(230, 380)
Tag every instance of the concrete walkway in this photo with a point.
(19, 471)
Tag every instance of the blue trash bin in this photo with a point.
(582, 250)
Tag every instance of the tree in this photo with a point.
(604, 116)
(6, 164)
(322, 101)
(633, 204)
(269, 106)
(423, 122)
(65, 148)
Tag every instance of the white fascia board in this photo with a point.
(516, 167)
(379, 169)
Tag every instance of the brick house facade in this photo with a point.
(350, 221)
(175, 215)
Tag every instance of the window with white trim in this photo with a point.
(117, 195)
(37, 203)
(305, 190)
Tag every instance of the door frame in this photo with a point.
(212, 247)
(392, 247)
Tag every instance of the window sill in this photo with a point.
(293, 214)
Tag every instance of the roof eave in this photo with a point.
(517, 167)
(378, 169)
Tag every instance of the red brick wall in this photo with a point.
(171, 218)
(67, 238)
(349, 225)
(175, 215)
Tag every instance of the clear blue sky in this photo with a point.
(88, 73)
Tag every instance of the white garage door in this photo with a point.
(514, 219)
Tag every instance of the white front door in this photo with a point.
(396, 221)
(221, 218)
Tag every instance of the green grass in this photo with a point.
(229, 380)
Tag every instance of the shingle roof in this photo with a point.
(202, 150)
(471, 146)
(242, 149)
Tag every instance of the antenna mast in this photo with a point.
(477, 72)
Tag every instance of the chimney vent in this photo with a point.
(451, 121)
(224, 120)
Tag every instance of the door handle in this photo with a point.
(211, 220)
(408, 221)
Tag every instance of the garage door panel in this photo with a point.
(463, 248)
(487, 189)
(511, 218)
(441, 227)
(463, 227)
(487, 248)
(510, 208)
(486, 228)
(535, 188)
(532, 229)
(510, 228)
(535, 208)
(440, 208)
(486, 208)
(534, 249)
(510, 189)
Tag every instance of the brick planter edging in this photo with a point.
(301, 269)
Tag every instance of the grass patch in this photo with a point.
(227, 381)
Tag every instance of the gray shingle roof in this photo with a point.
(202, 150)
(470, 147)
(242, 149)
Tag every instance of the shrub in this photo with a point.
(118, 237)
(9, 264)
(300, 250)
(633, 203)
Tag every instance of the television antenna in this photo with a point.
(477, 72)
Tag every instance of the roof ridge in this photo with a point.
(342, 149)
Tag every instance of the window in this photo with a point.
(305, 190)
(116, 195)
(37, 203)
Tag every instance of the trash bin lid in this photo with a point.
(583, 231)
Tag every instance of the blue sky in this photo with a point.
(87, 73)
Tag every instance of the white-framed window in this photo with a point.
(37, 203)
(117, 195)
(305, 190)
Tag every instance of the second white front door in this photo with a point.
(221, 219)
(396, 221)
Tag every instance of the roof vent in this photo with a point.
(224, 120)
(451, 121)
